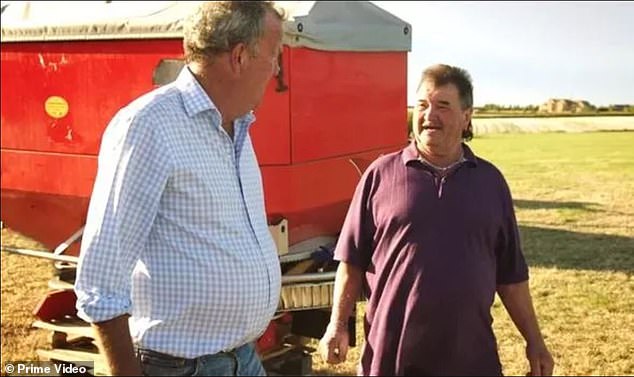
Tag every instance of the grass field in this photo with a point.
(574, 196)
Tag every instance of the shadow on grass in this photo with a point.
(579, 251)
(536, 204)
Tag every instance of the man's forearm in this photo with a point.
(517, 300)
(347, 290)
(116, 344)
(518, 303)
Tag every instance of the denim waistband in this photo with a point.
(177, 361)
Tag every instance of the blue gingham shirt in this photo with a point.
(176, 233)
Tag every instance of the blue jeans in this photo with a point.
(243, 361)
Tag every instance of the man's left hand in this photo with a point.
(540, 360)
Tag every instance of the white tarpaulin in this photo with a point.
(321, 25)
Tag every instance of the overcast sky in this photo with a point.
(521, 53)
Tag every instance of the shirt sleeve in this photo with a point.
(355, 243)
(132, 172)
(511, 265)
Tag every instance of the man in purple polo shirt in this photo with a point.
(430, 237)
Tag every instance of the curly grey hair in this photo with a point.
(218, 26)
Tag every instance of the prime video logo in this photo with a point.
(47, 368)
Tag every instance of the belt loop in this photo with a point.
(236, 360)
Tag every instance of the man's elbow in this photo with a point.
(349, 271)
(510, 289)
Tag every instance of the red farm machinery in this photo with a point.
(338, 103)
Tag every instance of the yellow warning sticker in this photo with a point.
(56, 107)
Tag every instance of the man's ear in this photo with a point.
(468, 113)
(238, 56)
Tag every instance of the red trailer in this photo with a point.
(338, 103)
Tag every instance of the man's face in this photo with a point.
(439, 119)
(264, 64)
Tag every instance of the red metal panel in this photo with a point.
(271, 132)
(49, 219)
(314, 196)
(346, 102)
(49, 173)
(45, 195)
(96, 78)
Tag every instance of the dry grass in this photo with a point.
(24, 284)
(575, 205)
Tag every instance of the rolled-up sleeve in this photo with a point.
(132, 173)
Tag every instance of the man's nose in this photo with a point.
(430, 112)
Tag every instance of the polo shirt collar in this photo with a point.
(410, 153)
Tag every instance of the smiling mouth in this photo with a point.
(430, 128)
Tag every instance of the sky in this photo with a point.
(523, 53)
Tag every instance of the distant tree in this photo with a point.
(490, 107)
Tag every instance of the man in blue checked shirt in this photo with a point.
(178, 272)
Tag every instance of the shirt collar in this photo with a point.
(410, 153)
(196, 100)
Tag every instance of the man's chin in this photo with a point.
(425, 143)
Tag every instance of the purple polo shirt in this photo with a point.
(433, 251)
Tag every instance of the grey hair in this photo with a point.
(442, 74)
(218, 26)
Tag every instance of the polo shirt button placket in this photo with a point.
(440, 186)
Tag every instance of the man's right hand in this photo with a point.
(333, 346)
(116, 344)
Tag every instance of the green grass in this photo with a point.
(574, 200)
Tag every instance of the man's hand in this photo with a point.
(116, 344)
(333, 346)
(540, 360)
